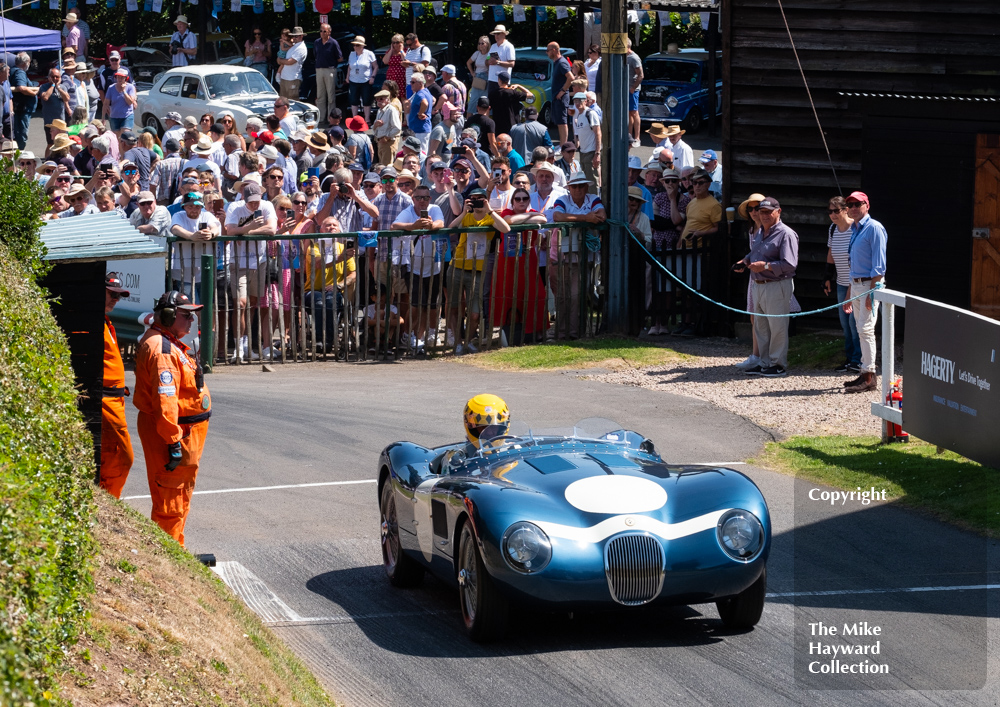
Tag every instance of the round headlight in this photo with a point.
(671, 102)
(740, 534)
(526, 547)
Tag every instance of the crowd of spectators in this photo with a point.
(430, 153)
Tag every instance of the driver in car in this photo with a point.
(485, 417)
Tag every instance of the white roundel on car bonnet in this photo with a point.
(615, 494)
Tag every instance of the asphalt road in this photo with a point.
(308, 560)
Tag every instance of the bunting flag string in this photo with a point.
(395, 9)
(561, 12)
(498, 14)
(541, 13)
(477, 13)
(519, 13)
(377, 8)
(438, 6)
(455, 9)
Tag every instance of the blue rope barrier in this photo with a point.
(663, 267)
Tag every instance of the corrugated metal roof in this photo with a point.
(93, 237)
(915, 97)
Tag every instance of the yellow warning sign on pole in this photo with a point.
(614, 43)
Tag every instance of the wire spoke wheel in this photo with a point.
(402, 570)
(484, 608)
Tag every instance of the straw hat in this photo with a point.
(742, 208)
(578, 178)
(181, 19)
(636, 193)
(359, 40)
(658, 131)
(204, 146)
(406, 174)
(58, 124)
(61, 142)
(318, 140)
(499, 29)
(71, 18)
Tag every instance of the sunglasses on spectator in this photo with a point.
(64, 178)
(753, 208)
(461, 170)
(116, 295)
(206, 184)
(388, 180)
(369, 185)
(186, 314)
(275, 176)
(256, 32)
(522, 198)
(702, 181)
(25, 163)
(77, 199)
(55, 200)
(854, 204)
(670, 181)
(299, 203)
(227, 120)
(114, 58)
(834, 211)
(130, 171)
(421, 198)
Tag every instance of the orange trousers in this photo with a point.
(116, 446)
(171, 490)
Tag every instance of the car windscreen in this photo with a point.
(227, 49)
(245, 83)
(672, 71)
(530, 70)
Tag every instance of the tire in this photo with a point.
(692, 123)
(484, 608)
(545, 115)
(151, 121)
(744, 610)
(401, 569)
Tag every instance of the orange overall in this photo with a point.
(171, 409)
(116, 445)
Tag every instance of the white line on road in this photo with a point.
(710, 464)
(272, 488)
(840, 592)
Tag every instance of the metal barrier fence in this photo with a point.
(389, 294)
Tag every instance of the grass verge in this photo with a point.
(815, 350)
(946, 485)
(609, 352)
(164, 629)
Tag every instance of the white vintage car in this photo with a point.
(211, 88)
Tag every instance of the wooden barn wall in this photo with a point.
(770, 139)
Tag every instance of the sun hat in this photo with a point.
(359, 40)
(499, 29)
(578, 178)
(636, 193)
(745, 204)
(181, 19)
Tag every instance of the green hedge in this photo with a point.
(46, 507)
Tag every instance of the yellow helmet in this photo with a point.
(486, 416)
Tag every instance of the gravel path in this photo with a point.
(806, 402)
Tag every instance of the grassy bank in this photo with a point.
(606, 352)
(946, 485)
(165, 630)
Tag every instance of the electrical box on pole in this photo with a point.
(614, 160)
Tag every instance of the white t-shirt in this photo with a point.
(504, 52)
(584, 123)
(359, 66)
(185, 255)
(500, 200)
(420, 55)
(289, 124)
(592, 71)
(293, 72)
(427, 255)
(409, 215)
(249, 253)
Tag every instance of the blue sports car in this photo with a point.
(587, 518)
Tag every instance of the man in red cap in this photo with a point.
(867, 258)
(174, 407)
(116, 445)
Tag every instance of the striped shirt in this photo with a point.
(838, 242)
(165, 177)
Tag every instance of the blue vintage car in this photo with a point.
(675, 88)
(578, 519)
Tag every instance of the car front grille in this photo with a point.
(633, 564)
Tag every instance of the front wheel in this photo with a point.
(401, 569)
(692, 123)
(744, 610)
(484, 608)
(151, 121)
(545, 115)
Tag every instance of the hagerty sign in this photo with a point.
(951, 376)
